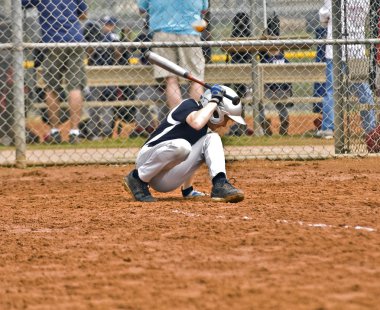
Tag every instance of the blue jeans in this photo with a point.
(361, 90)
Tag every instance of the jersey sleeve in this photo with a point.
(184, 109)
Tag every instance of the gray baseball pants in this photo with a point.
(167, 165)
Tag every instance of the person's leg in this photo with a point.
(75, 100)
(76, 81)
(153, 161)
(196, 90)
(173, 92)
(172, 89)
(208, 149)
(192, 58)
(53, 106)
(328, 99)
(283, 114)
(52, 77)
(264, 122)
(368, 116)
(156, 162)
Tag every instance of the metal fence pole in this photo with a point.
(338, 78)
(18, 85)
(256, 32)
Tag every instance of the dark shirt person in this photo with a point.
(60, 23)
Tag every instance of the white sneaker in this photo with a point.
(193, 194)
(325, 134)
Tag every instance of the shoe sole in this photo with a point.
(126, 187)
(233, 198)
(195, 197)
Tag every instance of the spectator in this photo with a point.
(171, 22)
(319, 88)
(101, 119)
(181, 144)
(125, 53)
(109, 26)
(278, 91)
(241, 27)
(143, 116)
(355, 13)
(60, 23)
(125, 113)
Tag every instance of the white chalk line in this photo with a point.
(300, 223)
(322, 225)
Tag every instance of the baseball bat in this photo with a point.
(177, 70)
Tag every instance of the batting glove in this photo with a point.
(217, 93)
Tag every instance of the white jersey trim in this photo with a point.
(170, 120)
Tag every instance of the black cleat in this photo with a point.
(137, 188)
(225, 192)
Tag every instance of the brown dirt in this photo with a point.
(307, 236)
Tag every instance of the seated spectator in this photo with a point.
(143, 116)
(101, 119)
(241, 27)
(125, 53)
(125, 113)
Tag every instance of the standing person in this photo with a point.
(60, 23)
(172, 21)
(182, 142)
(354, 14)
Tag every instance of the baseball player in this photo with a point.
(181, 143)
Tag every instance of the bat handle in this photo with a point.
(235, 100)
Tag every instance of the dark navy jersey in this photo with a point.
(175, 127)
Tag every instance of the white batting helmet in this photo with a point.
(225, 108)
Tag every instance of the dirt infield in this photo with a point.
(307, 236)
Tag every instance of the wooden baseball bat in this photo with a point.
(177, 70)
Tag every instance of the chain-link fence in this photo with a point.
(75, 86)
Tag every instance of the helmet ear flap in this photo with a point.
(217, 117)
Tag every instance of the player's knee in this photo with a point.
(212, 136)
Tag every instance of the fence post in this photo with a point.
(256, 32)
(18, 85)
(338, 78)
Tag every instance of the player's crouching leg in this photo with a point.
(139, 189)
(222, 189)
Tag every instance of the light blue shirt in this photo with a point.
(173, 16)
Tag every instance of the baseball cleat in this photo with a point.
(224, 191)
(138, 188)
(193, 194)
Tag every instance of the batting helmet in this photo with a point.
(226, 107)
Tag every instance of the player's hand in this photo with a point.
(217, 93)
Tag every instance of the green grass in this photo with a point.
(275, 140)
